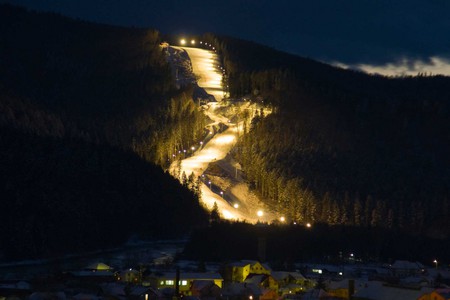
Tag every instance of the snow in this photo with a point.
(236, 192)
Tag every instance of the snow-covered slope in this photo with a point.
(229, 191)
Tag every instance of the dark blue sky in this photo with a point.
(374, 32)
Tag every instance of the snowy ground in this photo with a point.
(228, 190)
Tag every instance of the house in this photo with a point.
(291, 282)
(130, 276)
(205, 289)
(97, 272)
(258, 268)
(264, 281)
(242, 291)
(268, 294)
(238, 271)
(119, 290)
(345, 288)
(186, 281)
(403, 268)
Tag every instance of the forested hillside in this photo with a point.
(87, 111)
(343, 147)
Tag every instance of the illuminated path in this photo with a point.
(204, 66)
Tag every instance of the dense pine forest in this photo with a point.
(89, 119)
(343, 147)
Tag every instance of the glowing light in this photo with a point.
(308, 225)
(183, 42)
(282, 219)
(260, 213)
(192, 42)
(227, 214)
(236, 205)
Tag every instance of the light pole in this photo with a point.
(209, 182)
(436, 263)
(221, 194)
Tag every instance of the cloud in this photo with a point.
(404, 67)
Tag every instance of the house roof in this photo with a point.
(280, 275)
(239, 264)
(201, 284)
(253, 262)
(255, 278)
(239, 288)
(98, 267)
(404, 264)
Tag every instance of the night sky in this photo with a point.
(375, 35)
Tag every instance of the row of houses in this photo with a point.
(243, 280)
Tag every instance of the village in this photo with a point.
(167, 278)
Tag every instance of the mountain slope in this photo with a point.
(343, 147)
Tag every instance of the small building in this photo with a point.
(187, 280)
(205, 289)
(258, 268)
(237, 271)
(403, 268)
(242, 291)
(292, 282)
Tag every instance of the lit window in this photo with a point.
(183, 282)
(169, 282)
(162, 282)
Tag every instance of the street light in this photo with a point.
(436, 263)
(183, 42)
(193, 42)
(236, 205)
(209, 182)
(282, 219)
(260, 213)
(221, 194)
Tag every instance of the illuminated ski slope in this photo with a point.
(233, 198)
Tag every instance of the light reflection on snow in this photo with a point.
(225, 139)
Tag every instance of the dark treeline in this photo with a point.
(344, 147)
(62, 195)
(286, 244)
(86, 111)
